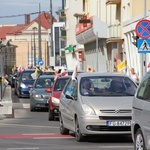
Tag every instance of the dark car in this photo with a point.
(12, 78)
(40, 91)
(23, 81)
(57, 88)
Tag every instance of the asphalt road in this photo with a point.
(32, 131)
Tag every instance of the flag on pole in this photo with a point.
(121, 65)
(74, 74)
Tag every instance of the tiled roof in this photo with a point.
(17, 29)
(45, 20)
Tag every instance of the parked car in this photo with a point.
(54, 97)
(140, 126)
(95, 104)
(40, 91)
(22, 82)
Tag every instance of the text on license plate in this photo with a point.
(118, 123)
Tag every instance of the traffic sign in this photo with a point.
(40, 63)
(143, 29)
(143, 45)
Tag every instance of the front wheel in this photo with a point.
(139, 143)
(63, 130)
(78, 135)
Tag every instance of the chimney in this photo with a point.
(27, 19)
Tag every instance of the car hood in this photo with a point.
(41, 91)
(120, 102)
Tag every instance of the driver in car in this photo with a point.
(115, 86)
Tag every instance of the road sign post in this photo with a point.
(143, 31)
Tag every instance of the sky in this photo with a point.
(10, 8)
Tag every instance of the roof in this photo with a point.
(5, 30)
(101, 74)
(46, 76)
(17, 29)
(45, 20)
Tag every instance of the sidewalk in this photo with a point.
(6, 110)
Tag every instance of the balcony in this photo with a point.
(114, 31)
(110, 2)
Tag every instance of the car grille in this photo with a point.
(116, 111)
(45, 97)
(115, 117)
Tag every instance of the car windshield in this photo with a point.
(27, 76)
(44, 82)
(107, 86)
(60, 83)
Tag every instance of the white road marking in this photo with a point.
(20, 125)
(111, 147)
(25, 148)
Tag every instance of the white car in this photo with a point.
(96, 103)
(140, 125)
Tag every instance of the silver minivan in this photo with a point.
(96, 104)
(140, 124)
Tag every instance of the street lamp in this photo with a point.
(34, 28)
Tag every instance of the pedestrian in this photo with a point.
(133, 75)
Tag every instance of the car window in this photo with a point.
(27, 76)
(60, 84)
(107, 86)
(71, 88)
(44, 82)
(144, 90)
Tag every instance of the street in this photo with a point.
(32, 131)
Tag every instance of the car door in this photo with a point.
(69, 98)
(143, 96)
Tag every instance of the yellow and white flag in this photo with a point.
(121, 65)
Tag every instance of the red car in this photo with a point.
(56, 90)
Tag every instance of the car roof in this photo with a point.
(63, 77)
(46, 76)
(87, 74)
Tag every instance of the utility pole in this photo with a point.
(34, 28)
(144, 55)
(51, 26)
(39, 33)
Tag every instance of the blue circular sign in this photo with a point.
(143, 29)
(40, 63)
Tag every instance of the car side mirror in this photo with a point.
(48, 90)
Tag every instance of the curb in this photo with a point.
(6, 109)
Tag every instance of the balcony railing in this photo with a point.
(114, 31)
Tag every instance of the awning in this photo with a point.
(98, 29)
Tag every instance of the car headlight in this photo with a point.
(37, 95)
(88, 110)
(55, 100)
(23, 85)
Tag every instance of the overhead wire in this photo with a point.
(11, 16)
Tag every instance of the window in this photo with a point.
(144, 90)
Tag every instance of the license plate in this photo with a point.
(118, 123)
